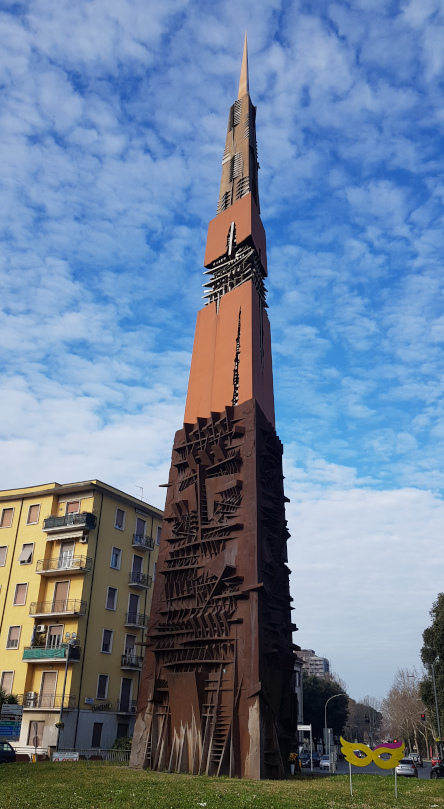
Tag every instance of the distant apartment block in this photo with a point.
(77, 563)
(313, 665)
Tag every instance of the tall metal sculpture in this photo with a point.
(217, 693)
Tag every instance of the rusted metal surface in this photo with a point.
(217, 692)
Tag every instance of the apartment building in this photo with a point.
(77, 563)
(314, 665)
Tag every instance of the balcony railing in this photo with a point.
(143, 542)
(82, 520)
(68, 564)
(131, 661)
(126, 705)
(38, 653)
(141, 580)
(136, 619)
(66, 606)
(34, 700)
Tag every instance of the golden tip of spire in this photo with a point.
(243, 83)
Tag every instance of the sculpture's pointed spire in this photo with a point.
(243, 83)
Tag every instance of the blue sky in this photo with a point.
(112, 127)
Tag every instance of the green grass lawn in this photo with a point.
(98, 785)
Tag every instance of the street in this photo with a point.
(423, 772)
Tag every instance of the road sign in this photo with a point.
(304, 727)
(8, 709)
(10, 730)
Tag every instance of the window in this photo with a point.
(25, 557)
(122, 729)
(20, 595)
(102, 686)
(140, 527)
(154, 570)
(33, 514)
(116, 555)
(13, 637)
(137, 566)
(107, 641)
(73, 507)
(6, 681)
(3, 552)
(35, 733)
(55, 636)
(6, 518)
(130, 643)
(158, 531)
(111, 598)
(120, 519)
(97, 734)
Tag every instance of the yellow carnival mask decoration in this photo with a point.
(395, 751)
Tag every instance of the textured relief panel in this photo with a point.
(216, 692)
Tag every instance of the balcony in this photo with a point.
(65, 564)
(136, 619)
(51, 654)
(131, 661)
(33, 700)
(141, 581)
(67, 606)
(84, 520)
(126, 705)
(142, 542)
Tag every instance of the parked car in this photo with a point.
(304, 758)
(436, 760)
(316, 759)
(416, 757)
(437, 771)
(7, 753)
(324, 763)
(407, 767)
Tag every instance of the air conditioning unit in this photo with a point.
(31, 699)
(40, 628)
(83, 540)
(133, 708)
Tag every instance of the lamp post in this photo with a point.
(71, 641)
(436, 709)
(325, 723)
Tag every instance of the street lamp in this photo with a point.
(436, 709)
(71, 641)
(325, 723)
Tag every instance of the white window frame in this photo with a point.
(103, 651)
(130, 635)
(13, 648)
(7, 508)
(20, 584)
(75, 500)
(158, 532)
(119, 550)
(6, 554)
(111, 609)
(107, 686)
(7, 671)
(120, 527)
(29, 511)
(32, 545)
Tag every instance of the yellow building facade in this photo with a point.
(77, 563)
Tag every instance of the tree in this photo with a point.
(316, 692)
(402, 709)
(7, 699)
(432, 653)
(364, 721)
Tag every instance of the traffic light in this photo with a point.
(423, 717)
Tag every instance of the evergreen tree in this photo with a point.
(432, 652)
(316, 692)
